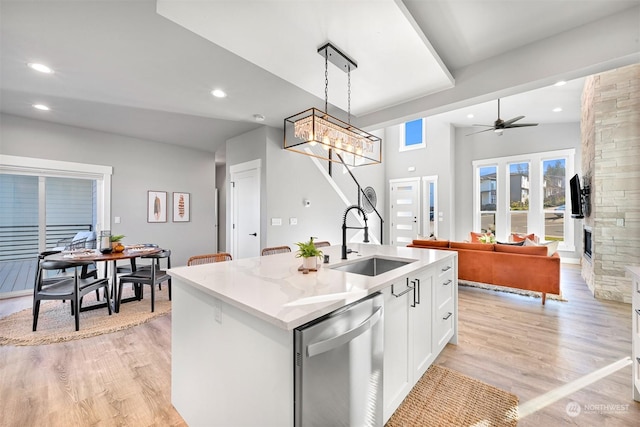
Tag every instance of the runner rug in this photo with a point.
(444, 397)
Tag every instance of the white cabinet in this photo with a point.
(420, 318)
(398, 376)
(445, 304)
(635, 337)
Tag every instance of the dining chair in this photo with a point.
(151, 276)
(209, 258)
(276, 250)
(132, 262)
(65, 287)
(322, 244)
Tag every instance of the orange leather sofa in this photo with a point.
(521, 267)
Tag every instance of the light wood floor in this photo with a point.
(510, 341)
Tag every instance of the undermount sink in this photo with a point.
(372, 266)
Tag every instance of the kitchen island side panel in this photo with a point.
(229, 368)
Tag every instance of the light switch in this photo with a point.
(620, 222)
(276, 221)
(116, 220)
(293, 221)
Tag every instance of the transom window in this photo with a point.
(412, 135)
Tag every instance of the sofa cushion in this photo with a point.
(473, 246)
(522, 250)
(432, 243)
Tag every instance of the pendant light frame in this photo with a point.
(318, 134)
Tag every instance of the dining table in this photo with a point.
(130, 253)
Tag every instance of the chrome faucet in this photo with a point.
(344, 229)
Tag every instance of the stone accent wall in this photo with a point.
(611, 162)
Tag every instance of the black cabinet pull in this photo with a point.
(447, 268)
(447, 316)
(253, 234)
(416, 282)
(409, 288)
(447, 283)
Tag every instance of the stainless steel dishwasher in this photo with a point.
(338, 367)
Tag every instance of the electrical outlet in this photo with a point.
(276, 221)
(293, 221)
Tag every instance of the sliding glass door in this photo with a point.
(37, 212)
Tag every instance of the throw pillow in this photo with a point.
(512, 244)
(475, 237)
(516, 237)
(552, 246)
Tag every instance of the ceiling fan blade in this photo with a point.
(487, 126)
(515, 119)
(521, 125)
(480, 131)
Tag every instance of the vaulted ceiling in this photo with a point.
(146, 69)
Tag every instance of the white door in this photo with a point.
(245, 210)
(405, 210)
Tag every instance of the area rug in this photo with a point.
(507, 289)
(55, 323)
(444, 397)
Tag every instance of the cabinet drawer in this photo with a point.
(444, 289)
(443, 324)
(445, 269)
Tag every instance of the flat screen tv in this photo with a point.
(576, 197)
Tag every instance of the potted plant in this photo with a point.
(116, 245)
(309, 254)
(487, 238)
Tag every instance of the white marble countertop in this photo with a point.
(272, 289)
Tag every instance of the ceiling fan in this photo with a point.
(500, 125)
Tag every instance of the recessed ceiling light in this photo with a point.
(258, 117)
(560, 83)
(557, 109)
(470, 116)
(40, 67)
(41, 107)
(218, 93)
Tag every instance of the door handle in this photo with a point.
(337, 341)
(253, 234)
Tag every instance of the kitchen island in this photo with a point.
(233, 322)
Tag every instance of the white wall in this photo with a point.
(435, 159)
(138, 166)
(288, 179)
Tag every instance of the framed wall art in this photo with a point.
(181, 207)
(156, 206)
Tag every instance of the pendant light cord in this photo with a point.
(326, 82)
(349, 94)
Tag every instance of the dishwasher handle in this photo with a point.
(337, 341)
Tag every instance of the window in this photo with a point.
(524, 194)
(554, 185)
(519, 186)
(412, 135)
(488, 198)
